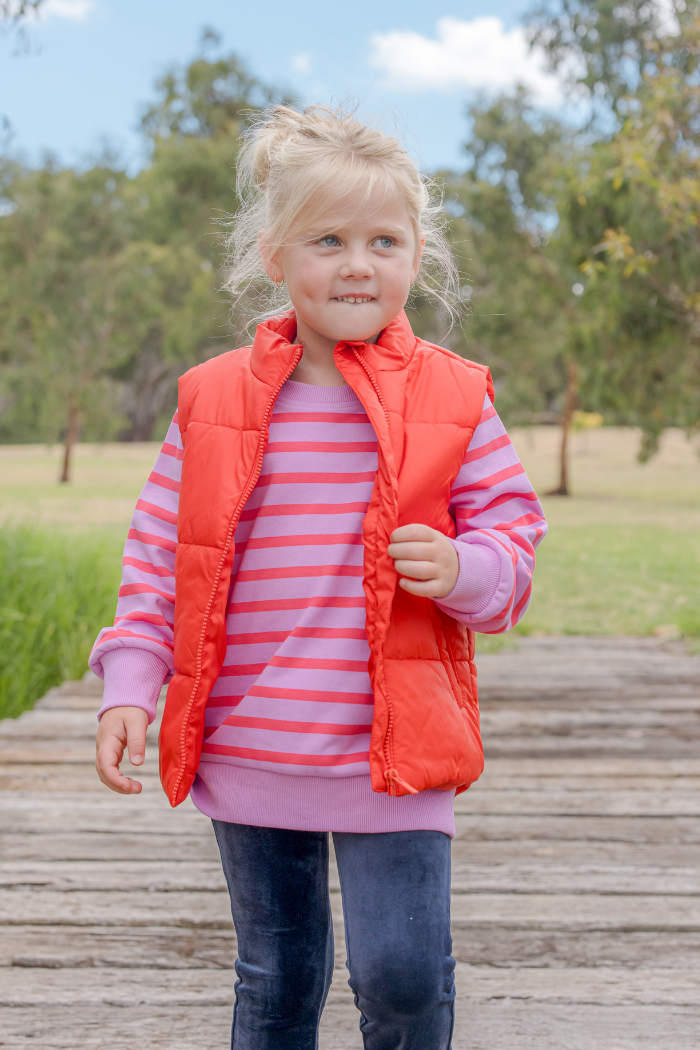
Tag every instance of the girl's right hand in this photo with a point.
(121, 727)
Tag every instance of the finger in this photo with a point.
(417, 570)
(136, 740)
(423, 589)
(109, 756)
(422, 533)
(412, 551)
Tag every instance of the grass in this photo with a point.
(622, 555)
(623, 580)
(57, 591)
(623, 552)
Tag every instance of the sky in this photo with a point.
(90, 65)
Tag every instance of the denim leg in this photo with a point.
(278, 883)
(396, 902)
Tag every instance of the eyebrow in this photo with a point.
(377, 231)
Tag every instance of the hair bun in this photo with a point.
(278, 127)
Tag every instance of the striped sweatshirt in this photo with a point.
(288, 721)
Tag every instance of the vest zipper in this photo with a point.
(391, 775)
(252, 480)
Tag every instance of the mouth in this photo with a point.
(354, 299)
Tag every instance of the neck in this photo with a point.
(317, 366)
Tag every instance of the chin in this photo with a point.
(359, 329)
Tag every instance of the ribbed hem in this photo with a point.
(479, 573)
(133, 678)
(274, 800)
(306, 393)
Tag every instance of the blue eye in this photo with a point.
(385, 242)
(329, 242)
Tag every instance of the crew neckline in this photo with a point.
(307, 393)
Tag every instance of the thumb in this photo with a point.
(136, 737)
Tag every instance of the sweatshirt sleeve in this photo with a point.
(500, 523)
(146, 602)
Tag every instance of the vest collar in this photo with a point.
(272, 346)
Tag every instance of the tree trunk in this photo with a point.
(72, 433)
(566, 416)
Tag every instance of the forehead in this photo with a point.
(362, 208)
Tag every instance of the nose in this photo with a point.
(357, 265)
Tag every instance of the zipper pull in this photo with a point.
(394, 782)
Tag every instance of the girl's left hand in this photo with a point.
(428, 557)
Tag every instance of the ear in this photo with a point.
(269, 258)
(417, 258)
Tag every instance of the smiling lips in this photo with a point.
(354, 298)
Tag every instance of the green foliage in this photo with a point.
(57, 591)
(210, 97)
(603, 46)
(517, 274)
(631, 205)
(111, 289)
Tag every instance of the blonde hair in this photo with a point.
(294, 166)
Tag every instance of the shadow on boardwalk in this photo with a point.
(576, 882)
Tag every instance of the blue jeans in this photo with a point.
(396, 904)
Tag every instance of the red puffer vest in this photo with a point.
(424, 403)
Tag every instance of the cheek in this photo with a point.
(308, 278)
(398, 279)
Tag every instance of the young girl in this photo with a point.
(334, 512)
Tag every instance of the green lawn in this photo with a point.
(621, 579)
(622, 555)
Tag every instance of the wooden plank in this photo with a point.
(504, 946)
(508, 1024)
(493, 1025)
(488, 944)
(556, 801)
(130, 947)
(536, 718)
(146, 813)
(198, 874)
(577, 911)
(560, 878)
(212, 988)
(210, 910)
(575, 854)
(661, 830)
(38, 907)
(66, 725)
(106, 845)
(662, 772)
(142, 1027)
(564, 747)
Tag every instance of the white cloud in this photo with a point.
(73, 10)
(480, 54)
(301, 63)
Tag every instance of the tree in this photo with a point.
(13, 11)
(82, 299)
(633, 208)
(193, 131)
(112, 283)
(515, 258)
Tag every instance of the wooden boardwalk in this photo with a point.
(576, 886)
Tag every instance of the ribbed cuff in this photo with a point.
(479, 573)
(133, 678)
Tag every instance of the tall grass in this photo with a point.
(56, 591)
